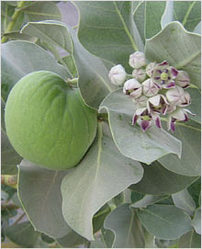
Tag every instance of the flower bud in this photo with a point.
(137, 60)
(177, 96)
(139, 74)
(117, 75)
(182, 79)
(150, 67)
(133, 88)
(149, 88)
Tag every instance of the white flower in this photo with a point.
(117, 75)
(137, 60)
(139, 74)
(157, 104)
(149, 88)
(133, 88)
(177, 96)
(182, 79)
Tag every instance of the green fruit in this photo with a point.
(47, 121)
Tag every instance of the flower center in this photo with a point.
(164, 76)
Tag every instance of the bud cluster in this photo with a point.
(157, 89)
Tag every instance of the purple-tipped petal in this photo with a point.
(186, 118)
(134, 120)
(145, 124)
(157, 78)
(162, 82)
(170, 85)
(158, 122)
(164, 63)
(172, 126)
(164, 111)
(174, 71)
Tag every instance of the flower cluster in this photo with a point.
(157, 90)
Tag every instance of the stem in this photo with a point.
(19, 219)
(9, 206)
(13, 19)
(9, 180)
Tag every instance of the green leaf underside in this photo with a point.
(72, 239)
(104, 172)
(190, 162)
(107, 30)
(43, 205)
(148, 200)
(125, 226)
(131, 140)
(165, 221)
(22, 57)
(186, 12)
(180, 48)
(158, 180)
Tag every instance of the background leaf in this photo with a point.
(184, 201)
(22, 57)
(124, 224)
(190, 240)
(102, 174)
(179, 47)
(44, 205)
(164, 221)
(196, 222)
(186, 12)
(107, 30)
(148, 200)
(132, 142)
(157, 180)
(189, 164)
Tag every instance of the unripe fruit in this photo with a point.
(47, 121)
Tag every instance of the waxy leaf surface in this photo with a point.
(44, 205)
(100, 176)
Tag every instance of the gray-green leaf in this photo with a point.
(100, 176)
(39, 192)
(165, 221)
(196, 222)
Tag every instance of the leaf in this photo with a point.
(24, 235)
(139, 17)
(184, 201)
(14, 35)
(72, 239)
(190, 162)
(186, 12)
(157, 180)
(107, 30)
(164, 221)
(53, 32)
(132, 142)
(44, 205)
(190, 240)
(195, 191)
(195, 107)
(99, 217)
(9, 157)
(198, 29)
(103, 173)
(126, 228)
(42, 11)
(196, 222)
(147, 200)
(22, 57)
(180, 48)
(153, 13)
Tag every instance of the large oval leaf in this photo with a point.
(100, 176)
(39, 192)
(180, 48)
(131, 140)
(107, 29)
